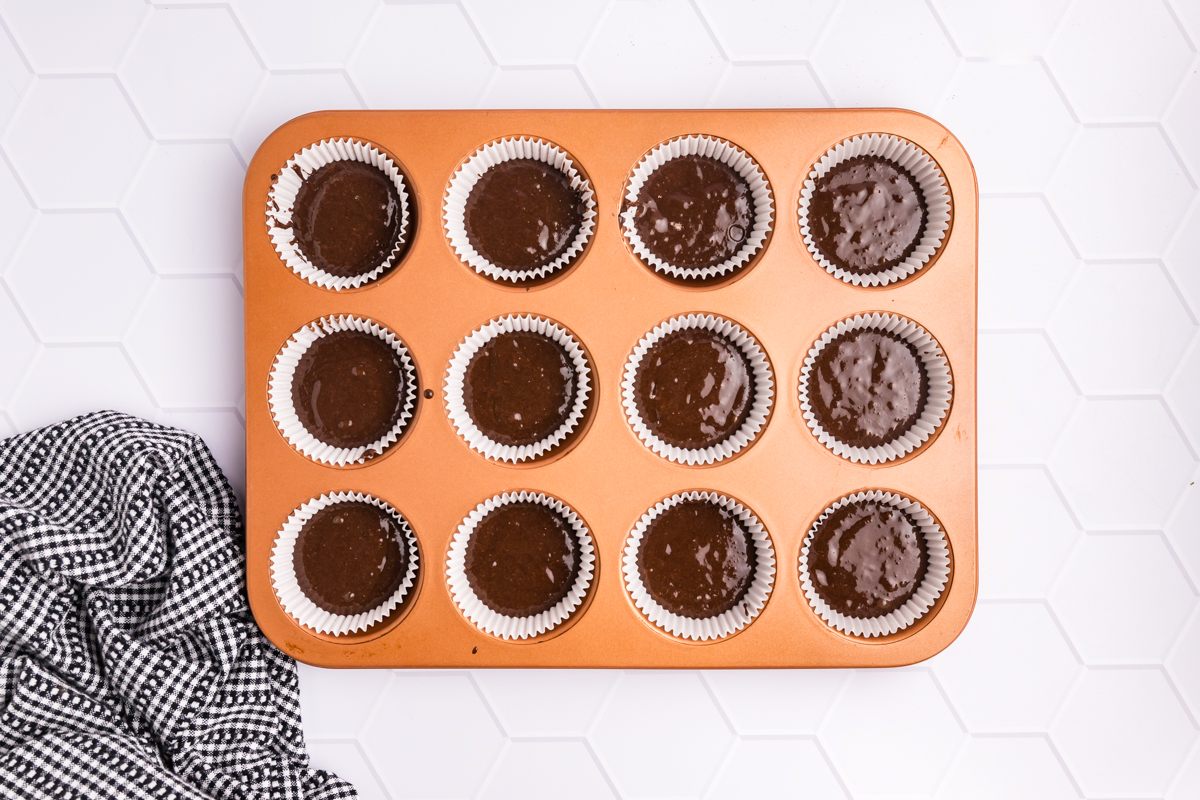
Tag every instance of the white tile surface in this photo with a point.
(1078, 673)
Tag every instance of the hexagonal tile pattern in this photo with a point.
(1182, 122)
(999, 769)
(19, 347)
(16, 213)
(768, 86)
(186, 342)
(357, 692)
(660, 734)
(16, 77)
(1183, 529)
(303, 34)
(191, 73)
(346, 760)
(1187, 782)
(79, 277)
(1011, 120)
(1126, 314)
(1122, 733)
(1118, 60)
(858, 63)
(1021, 278)
(776, 768)
(543, 770)
(185, 208)
(775, 702)
(534, 88)
(1017, 426)
(444, 67)
(648, 55)
(1121, 464)
(1092, 189)
(1183, 258)
(525, 32)
(1016, 29)
(67, 119)
(87, 36)
(1183, 390)
(283, 97)
(64, 382)
(409, 759)
(767, 30)
(1009, 670)
(545, 703)
(1183, 664)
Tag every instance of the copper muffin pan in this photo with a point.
(609, 300)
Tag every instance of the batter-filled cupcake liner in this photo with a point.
(760, 409)
(456, 376)
(282, 198)
(726, 153)
(721, 625)
(464, 180)
(937, 401)
(293, 599)
(500, 625)
(934, 189)
(283, 411)
(937, 574)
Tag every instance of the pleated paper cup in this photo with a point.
(937, 575)
(934, 190)
(720, 150)
(504, 626)
(282, 200)
(721, 625)
(283, 411)
(760, 409)
(938, 380)
(456, 376)
(455, 204)
(293, 599)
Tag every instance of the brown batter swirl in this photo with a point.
(522, 214)
(350, 557)
(696, 560)
(867, 214)
(868, 387)
(866, 559)
(347, 218)
(694, 388)
(522, 559)
(694, 212)
(348, 389)
(519, 388)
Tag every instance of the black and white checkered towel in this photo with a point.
(130, 666)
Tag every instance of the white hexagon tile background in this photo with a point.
(127, 128)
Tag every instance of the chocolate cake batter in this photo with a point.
(867, 387)
(522, 214)
(694, 388)
(867, 214)
(350, 557)
(519, 388)
(349, 388)
(867, 559)
(346, 218)
(694, 212)
(522, 559)
(696, 560)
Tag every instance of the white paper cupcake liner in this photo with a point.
(282, 198)
(722, 625)
(764, 390)
(929, 177)
(456, 377)
(279, 392)
(936, 575)
(720, 150)
(488, 156)
(501, 625)
(937, 402)
(293, 599)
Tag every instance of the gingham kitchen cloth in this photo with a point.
(130, 666)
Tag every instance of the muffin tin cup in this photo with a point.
(283, 411)
(710, 628)
(933, 186)
(764, 391)
(720, 150)
(488, 156)
(282, 198)
(456, 375)
(937, 575)
(500, 625)
(937, 402)
(293, 599)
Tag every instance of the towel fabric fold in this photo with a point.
(130, 665)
